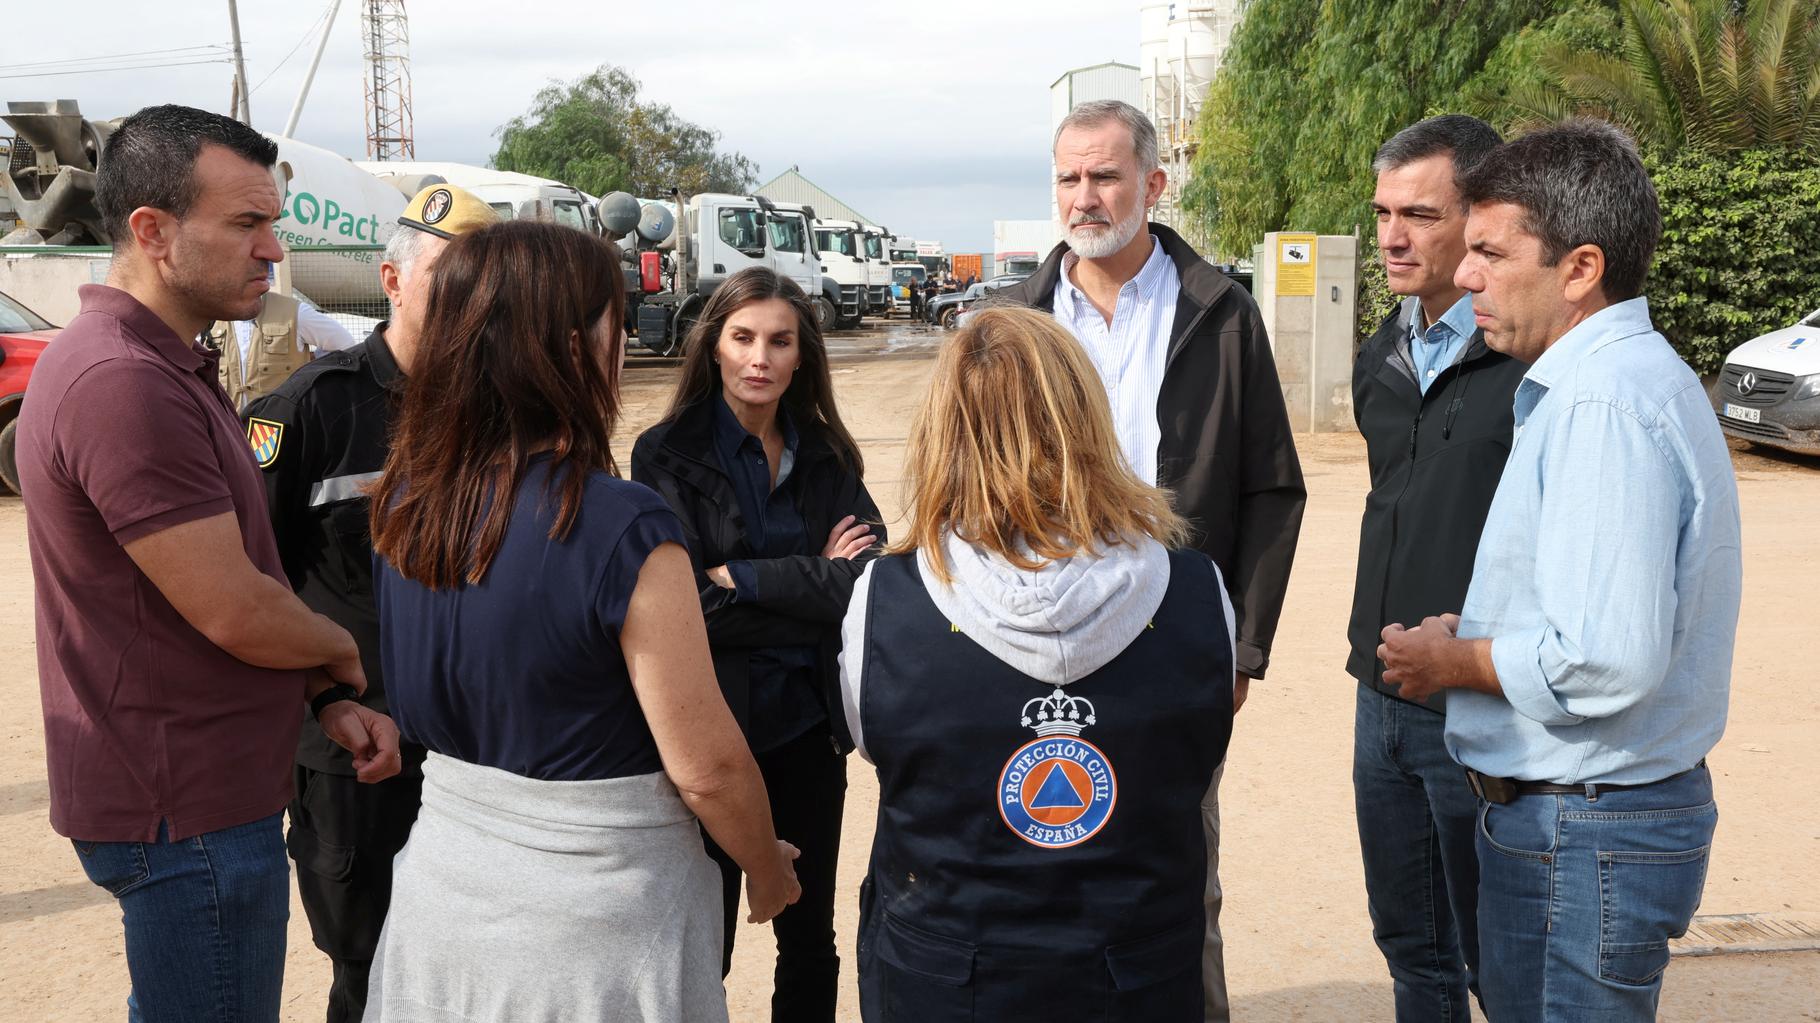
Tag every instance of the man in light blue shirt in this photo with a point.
(1591, 663)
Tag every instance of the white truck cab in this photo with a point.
(724, 234)
(878, 271)
(510, 193)
(1769, 389)
(842, 246)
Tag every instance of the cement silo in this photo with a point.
(1181, 47)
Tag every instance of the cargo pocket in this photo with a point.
(115, 867)
(923, 977)
(331, 862)
(1159, 977)
(1645, 899)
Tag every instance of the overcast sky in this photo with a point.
(930, 117)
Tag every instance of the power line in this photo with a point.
(287, 57)
(217, 47)
(138, 67)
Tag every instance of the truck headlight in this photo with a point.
(1807, 387)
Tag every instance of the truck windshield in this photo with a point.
(904, 274)
(835, 241)
(875, 249)
(739, 228)
(786, 233)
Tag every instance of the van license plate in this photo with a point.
(1749, 415)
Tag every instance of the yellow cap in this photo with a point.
(446, 211)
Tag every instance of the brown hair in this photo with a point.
(499, 376)
(1013, 450)
(810, 396)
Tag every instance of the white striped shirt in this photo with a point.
(1131, 351)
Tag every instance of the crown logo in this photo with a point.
(1058, 714)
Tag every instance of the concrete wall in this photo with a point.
(46, 283)
(1312, 336)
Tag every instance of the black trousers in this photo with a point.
(343, 836)
(807, 784)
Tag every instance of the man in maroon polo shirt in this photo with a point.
(175, 663)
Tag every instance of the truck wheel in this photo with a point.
(9, 446)
(825, 313)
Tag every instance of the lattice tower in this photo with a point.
(386, 32)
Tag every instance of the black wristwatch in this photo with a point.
(333, 694)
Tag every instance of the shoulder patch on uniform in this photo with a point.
(265, 436)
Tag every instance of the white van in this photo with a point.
(1769, 389)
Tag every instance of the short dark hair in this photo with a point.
(1467, 138)
(150, 160)
(1579, 182)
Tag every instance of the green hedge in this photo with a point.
(1740, 252)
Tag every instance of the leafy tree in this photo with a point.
(597, 134)
(1716, 75)
(1309, 90)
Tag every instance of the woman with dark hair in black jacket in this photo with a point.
(754, 459)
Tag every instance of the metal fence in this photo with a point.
(340, 280)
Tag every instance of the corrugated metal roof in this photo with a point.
(791, 186)
(1090, 67)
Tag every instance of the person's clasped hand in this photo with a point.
(767, 895)
(848, 538)
(366, 733)
(1415, 660)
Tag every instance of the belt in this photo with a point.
(1506, 790)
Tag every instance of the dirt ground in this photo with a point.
(1298, 939)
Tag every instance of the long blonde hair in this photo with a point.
(1014, 450)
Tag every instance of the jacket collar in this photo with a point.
(690, 437)
(1201, 285)
(380, 357)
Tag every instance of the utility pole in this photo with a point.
(290, 125)
(245, 111)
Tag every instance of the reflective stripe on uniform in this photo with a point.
(340, 488)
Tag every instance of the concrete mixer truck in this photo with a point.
(680, 264)
(328, 202)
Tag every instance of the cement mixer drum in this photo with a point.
(656, 223)
(619, 214)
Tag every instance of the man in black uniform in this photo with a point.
(332, 421)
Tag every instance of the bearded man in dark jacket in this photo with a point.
(1196, 401)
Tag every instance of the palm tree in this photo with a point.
(1713, 75)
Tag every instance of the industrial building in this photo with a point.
(792, 187)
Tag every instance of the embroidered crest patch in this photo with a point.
(265, 436)
(1059, 789)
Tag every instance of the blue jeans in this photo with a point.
(1578, 898)
(205, 921)
(1416, 824)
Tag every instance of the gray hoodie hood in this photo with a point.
(1061, 622)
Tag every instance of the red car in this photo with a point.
(23, 335)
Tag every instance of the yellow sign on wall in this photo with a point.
(1295, 264)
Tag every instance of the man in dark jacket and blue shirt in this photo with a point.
(321, 437)
(1196, 402)
(1434, 404)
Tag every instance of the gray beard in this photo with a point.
(1106, 243)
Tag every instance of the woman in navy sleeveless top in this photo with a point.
(540, 635)
(1043, 679)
